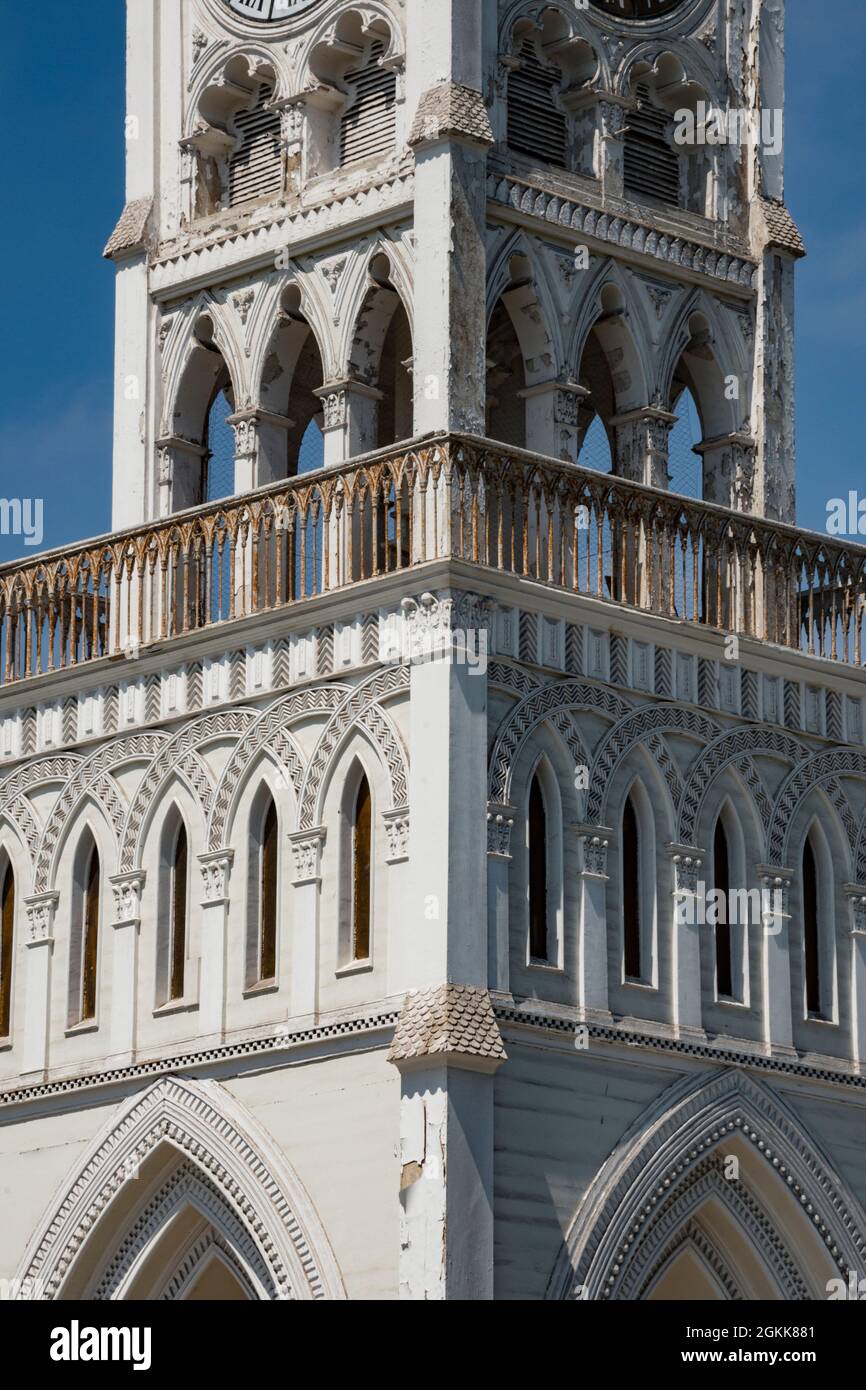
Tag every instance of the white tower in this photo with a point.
(363, 793)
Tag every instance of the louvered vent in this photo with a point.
(255, 169)
(652, 168)
(369, 125)
(535, 126)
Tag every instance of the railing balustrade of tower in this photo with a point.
(446, 497)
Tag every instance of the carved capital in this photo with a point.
(594, 842)
(40, 912)
(397, 829)
(688, 863)
(307, 854)
(127, 890)
(856, 895)
(500, 822)
(215, 872)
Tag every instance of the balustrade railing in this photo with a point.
(455, 496)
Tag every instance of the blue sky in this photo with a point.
(61, 67)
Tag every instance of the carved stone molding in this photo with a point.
(127, 890)
(307, 854)
(397, 829)
(500, 823)
(215, 872)
(40, 918)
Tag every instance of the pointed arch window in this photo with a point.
(262, 892)
(631, 891)
(7, 942)
(84, 935)
(811, 940)
(362, 837)
(268, 894)
(179, 894)
(722, 884)
(538, 905)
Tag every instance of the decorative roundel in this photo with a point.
(636, 9)
(269, 9)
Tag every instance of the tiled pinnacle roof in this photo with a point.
(782, 230)
(451, 110)
(447, 1019)
(128, 235)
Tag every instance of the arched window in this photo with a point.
(652, 167)
(536, 125)
(220, 444)
(268, 895)
(631, 892)
(722, 884)
(179, 890)
(7, 925)
(538, 911)
(84, 936)
(811, 951)
(368, 128)
(362, 834)
(255, 167)
(262, 892)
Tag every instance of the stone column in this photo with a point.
(397, 830)
(592, 973)
(179, 473)
(41, 911)
(610, 148)
(776, 959)
(261, 451)
(642, 445)
(552, 418)
(729, 470)
(856, 895)
(306, 846)
(213, 985)
(689, 912)
(447, 1048)
(500, 823)
(450, 134)
(127, 889)
(350, 419)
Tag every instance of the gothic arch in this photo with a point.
(14, 788)
(633, 729)
(517, 278)
(178, 757)
(180, 1121)
(91, 778)
(698, 340)
(206, 346)
(536, 707)
(822, 767)
(687, 67)
(728, 748)
(361, 710)
(609, 308)
(650, 1185)
(574, 25)
(268, 736)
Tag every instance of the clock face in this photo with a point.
(636, 9)
(269, 9)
